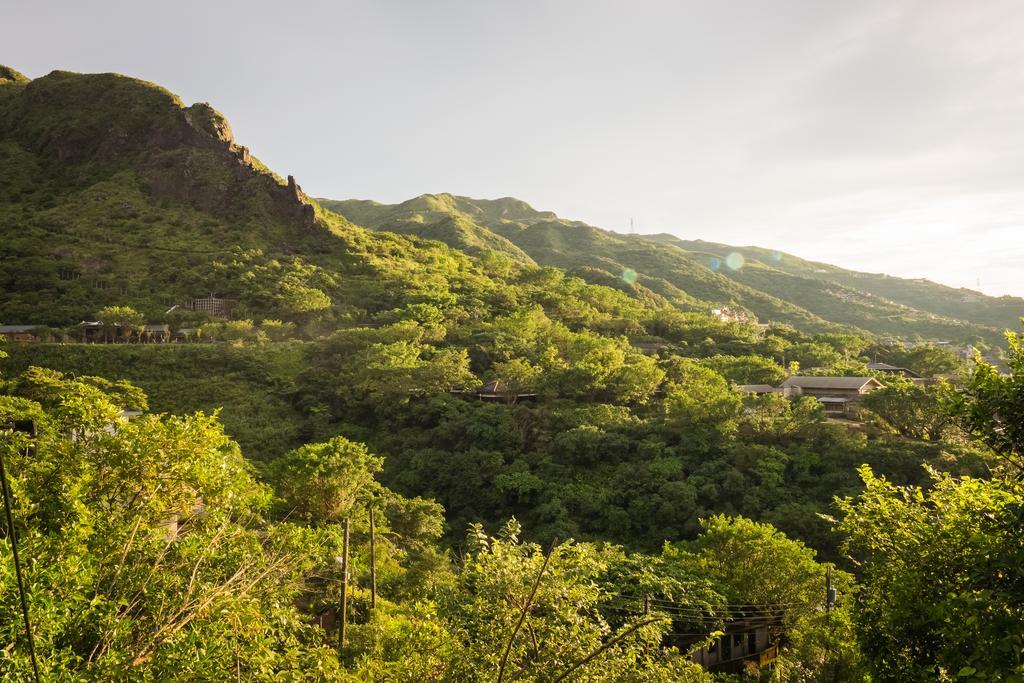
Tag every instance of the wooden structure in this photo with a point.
(495, 391)
(92, 331)
(893, 370)
(750, 640)
(19, 333)
(841, 396)
(156, 333)
(759, 389)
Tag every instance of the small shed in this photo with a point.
(19, 333)
(92, 331)
(893, 370)
(759, 389)
(185, 334)
(157, 333)
(496, 391)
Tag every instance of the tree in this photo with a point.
(991, 406)
(943, 568)
(322, 482)
(942, 574)
(928, 360)
(277, 330)
(747, 369)
(754, 564)
(912, 410)
(120, 321)
(699, 406)
(150, 559)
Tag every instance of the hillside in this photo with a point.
(115, 192)
(922, 294)
(694, 275)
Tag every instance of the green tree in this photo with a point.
(991, 405)
(120, 322)
(942, 574)
(912, 410)
(322, 482)
(149, 555)
(699, 406)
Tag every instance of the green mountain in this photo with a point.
(921, 294)
(774, 286)
(114, 192)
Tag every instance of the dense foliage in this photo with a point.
(623, 495)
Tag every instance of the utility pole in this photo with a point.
(26, 427)
(373, 564)
(830, 601)
(344, 589)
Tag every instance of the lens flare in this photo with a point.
(776, 256)
(714, 263)
(629, 276)
(734, 261)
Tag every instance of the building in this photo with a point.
(731, 315)
(19, 333)
(841, 396)
(156, 333)
(893, 370)
(759, 389)
(92, 331)
(495, 391)
(750, 641)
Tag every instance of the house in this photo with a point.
(156, 333)
(495, 391)
(841, 396)
(19, 333)
(759, 389)
(185, 334)
(92, 331)
(731, 315)
(750, 640)
(893, 370)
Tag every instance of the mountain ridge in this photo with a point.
(694, 273)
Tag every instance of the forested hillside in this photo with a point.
(576, 470)
(775, 286)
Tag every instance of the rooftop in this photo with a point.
(831, 382)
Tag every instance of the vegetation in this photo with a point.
(617, 507)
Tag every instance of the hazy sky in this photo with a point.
(884, 136)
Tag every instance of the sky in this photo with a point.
(883, 136)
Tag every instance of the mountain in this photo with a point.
(114, 192)
(695, 274)
(922, 294)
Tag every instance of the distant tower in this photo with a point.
(632, 228)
